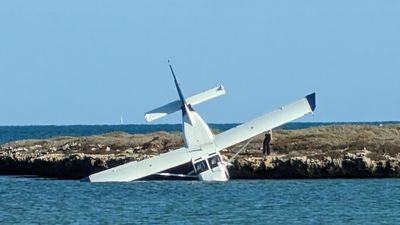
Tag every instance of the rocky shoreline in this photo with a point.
(345, 151)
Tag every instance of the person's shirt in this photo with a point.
(268, 136)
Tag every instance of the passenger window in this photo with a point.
(213, 161)
(201, 166)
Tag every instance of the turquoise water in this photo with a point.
(41, 201)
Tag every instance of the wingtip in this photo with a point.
(149, 117)
(311, 101)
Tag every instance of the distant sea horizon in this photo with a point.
(10, 133)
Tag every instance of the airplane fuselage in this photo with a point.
(199, 142)
(200, 156)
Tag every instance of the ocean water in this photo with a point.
(43, 201)
(12, 133)
(26, 200)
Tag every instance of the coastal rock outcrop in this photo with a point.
(349, 166)
(318, 152)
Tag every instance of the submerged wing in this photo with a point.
(268, 121)
(136, 170)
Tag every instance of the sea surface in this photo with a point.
(13, 133)
(32, 200)
(352, 201)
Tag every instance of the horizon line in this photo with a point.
(163, 124)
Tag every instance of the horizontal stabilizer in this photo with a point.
(206, 95)
(177, 105)
(162, 111)
(140, 169)
(266, 122)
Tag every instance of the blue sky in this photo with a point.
(89, 62)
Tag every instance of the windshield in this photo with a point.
(201, 166)
(213, 161)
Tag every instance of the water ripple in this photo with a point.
(42, 201)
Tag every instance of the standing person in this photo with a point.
(267, 141)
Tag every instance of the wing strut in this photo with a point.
(240, 150)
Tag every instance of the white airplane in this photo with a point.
(200, 156)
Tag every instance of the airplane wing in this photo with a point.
(266, 122)
(139, 169)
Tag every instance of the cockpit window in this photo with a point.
(213, 161)
(201, 166)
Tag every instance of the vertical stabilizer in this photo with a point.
(185, 107)
(177, 85)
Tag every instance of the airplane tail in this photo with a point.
(182, 104)
(182, 99)
(177, 105)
